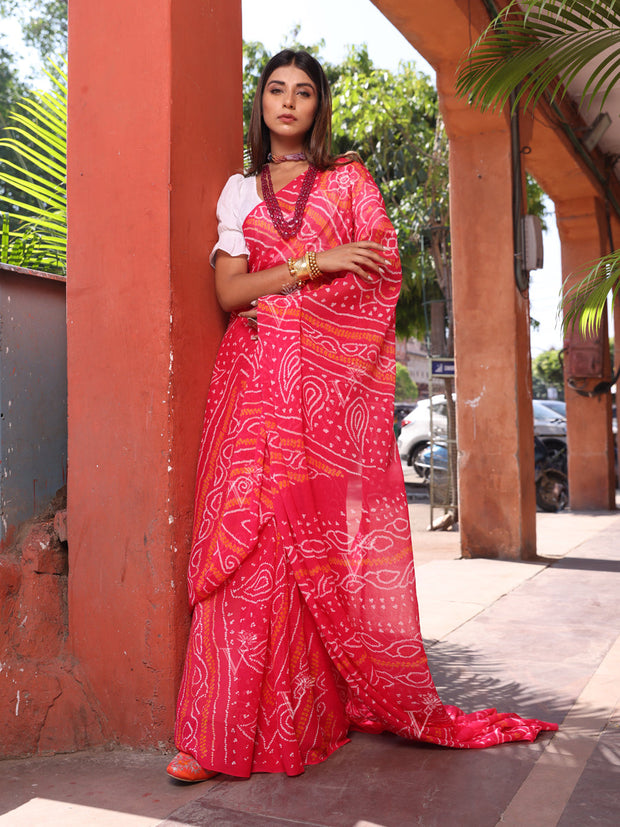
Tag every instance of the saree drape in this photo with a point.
(301, 577)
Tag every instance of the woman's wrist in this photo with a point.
(302, 269)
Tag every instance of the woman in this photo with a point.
(301, 578)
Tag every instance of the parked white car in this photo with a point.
(416, 431)
(415, 434)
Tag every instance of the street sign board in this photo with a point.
(442, 367)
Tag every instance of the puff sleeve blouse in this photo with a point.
(238, 199)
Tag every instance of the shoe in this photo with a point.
(185, 768)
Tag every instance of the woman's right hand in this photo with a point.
(364, 258)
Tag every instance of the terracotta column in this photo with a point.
(494, 421)
(583, 235)
(154, 130)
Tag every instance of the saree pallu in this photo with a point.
(305, 621)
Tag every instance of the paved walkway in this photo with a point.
(538, 638)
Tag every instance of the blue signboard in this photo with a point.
(442, 367)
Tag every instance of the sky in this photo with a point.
(356, 22)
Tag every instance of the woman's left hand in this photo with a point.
(250, 317)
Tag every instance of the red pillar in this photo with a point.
(154, 130)
(494, 411)
(591, 475)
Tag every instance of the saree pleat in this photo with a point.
(301, 574)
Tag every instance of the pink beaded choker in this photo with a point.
(286, 228)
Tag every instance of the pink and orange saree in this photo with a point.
(301, 577)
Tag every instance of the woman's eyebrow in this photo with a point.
(297, 85)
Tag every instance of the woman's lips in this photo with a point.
(287, 118)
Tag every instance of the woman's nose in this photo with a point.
(289, 100)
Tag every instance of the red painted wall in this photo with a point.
(154, 130)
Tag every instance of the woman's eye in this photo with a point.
(303, 93)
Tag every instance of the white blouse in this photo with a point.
(238, 199)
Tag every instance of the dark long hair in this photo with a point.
(317, 142)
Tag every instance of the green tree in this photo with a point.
(532, 50)
(11, 90)
(392, 120)
(43, 22)
(255, 56)
(406, 388)
(547, 372)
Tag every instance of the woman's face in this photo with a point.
(290, 101)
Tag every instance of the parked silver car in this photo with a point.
(415, 435)
(548, 422)
(556, 405)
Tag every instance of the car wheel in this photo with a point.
(552, 491)
(556, 454)
(413, 458)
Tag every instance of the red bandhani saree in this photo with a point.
(305, 621)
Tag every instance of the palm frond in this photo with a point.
(542, 49)
(586, 301)
(36, 236)
(54, 183)
(41, 160)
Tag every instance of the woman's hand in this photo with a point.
(252, 312)
(364, 258)
(251, 318)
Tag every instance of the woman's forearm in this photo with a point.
(236, 288)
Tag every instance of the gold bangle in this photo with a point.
(291, 269)
(315, 271)
(299, 269)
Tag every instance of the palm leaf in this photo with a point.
(36, 236)
(542, 50)
(51, 186)
(586, 301)
(40, 160)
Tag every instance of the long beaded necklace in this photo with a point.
(286, 228)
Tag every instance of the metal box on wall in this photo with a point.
(33, 393)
